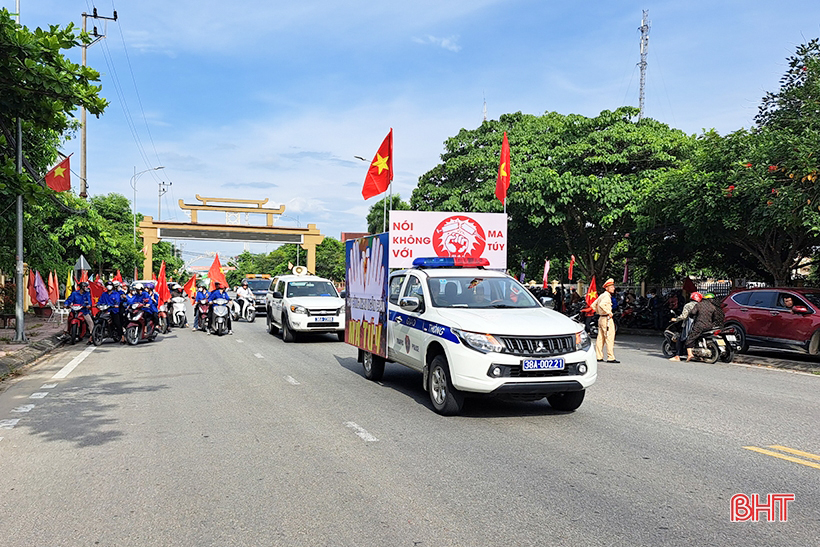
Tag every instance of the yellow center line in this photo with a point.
(796, 452)
(782, 456)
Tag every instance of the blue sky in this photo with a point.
(269, 99)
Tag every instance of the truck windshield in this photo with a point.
(311, 288)
(258, 284)
(479, 292)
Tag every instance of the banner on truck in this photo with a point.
(415, 234)
(366, 272)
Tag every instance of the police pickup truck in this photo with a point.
(474, 332)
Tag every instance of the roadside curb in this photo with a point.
(10, 363)
(777, 364)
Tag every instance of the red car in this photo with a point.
(786, 318)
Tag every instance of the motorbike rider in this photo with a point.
(82, 297)
(201, 294)
(112, 298)
(708, 315)
(218, 292)
(684, 323)
(141, 296)
(245, 297)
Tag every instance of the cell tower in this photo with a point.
(485, 109)
(644, 48)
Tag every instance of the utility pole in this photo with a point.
(19, 317)
(163, 189)
(97, 38)
(644, 28)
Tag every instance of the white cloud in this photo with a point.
(446, 43)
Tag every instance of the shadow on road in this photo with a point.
(80, 411)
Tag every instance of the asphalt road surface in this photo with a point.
(245, 440)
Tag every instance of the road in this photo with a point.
(244, 440)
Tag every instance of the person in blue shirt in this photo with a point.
(141, 295)
(201, 294)
(218, 292)
(82, 297)
(111, 297)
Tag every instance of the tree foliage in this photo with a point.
(330, 261)
(376, 216)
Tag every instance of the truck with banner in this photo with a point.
(456, 317)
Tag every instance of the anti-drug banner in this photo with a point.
(366, 274)
(415, 234)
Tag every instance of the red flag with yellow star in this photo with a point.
(215, 273)
(503, 182)
(59, 178)
(381, 169)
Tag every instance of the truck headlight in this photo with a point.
(298, 309)
(582, 340)
(485, 343)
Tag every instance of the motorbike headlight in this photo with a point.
(485, 343)
(298, 309)
(582, 340)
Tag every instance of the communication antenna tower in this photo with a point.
(485, 109)
(644, 47)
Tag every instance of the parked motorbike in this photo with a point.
(77, 328)
(103, 325)
(139, 326)
(248, 313)
(176, 312)
(220, 316)
(202, 307)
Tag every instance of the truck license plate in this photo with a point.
(542, 364)
(322, 319)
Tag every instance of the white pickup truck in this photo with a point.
(304, 303)
(474, 332)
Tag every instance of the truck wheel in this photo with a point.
(272, 329)
(373, 366)
(446, 399)
(97, 334)
(287, 334)
(567, 400)
(340, 335)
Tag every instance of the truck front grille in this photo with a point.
(538, 346)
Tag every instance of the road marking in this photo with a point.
(782, 456)
(795, 452)
(291, 380)
(23, 408)
(361, 432)
(66, 370)
(48, 386)
(258, 355)
(9, 424)
(240, 341)
(38, 395)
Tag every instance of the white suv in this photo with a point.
(480, 332)
(304, 303)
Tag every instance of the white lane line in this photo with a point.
(258, 355)
(48, 386)
(66, 370)
(38, 395)
(240, 341)
(361, 432)
(291, 380)
(23, 408)
(9, 424)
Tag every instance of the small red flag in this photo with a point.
(546, 273)
(592, 293)
(163, 292)
(381, 169)
(96, 289)
(216, 274)
(503, 182)
(571, 265)
(118, 277)
(59, 178)
(190, 287)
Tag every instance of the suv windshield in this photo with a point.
(479, 292)
(311, 288)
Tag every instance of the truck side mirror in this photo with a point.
(409, 303)
(277, 295)
(343, 294)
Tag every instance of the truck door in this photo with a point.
(408, 334)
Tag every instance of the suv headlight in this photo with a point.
(485, 343)
(582, 340)
(298, 309)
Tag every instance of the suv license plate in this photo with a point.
(542, 364)
(322, 319)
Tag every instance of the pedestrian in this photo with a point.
(606, 325)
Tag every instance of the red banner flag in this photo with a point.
(503, 181)
(163, 292)
(546, 273)
(96, 289)
(571, 265)
(592, 293)
(216, 274)
(190, 288)
(118, 277)
(59, 178)
(381, 169)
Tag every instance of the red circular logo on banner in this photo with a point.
(459, 236)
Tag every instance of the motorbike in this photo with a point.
(220, 314)
(248, 313)
(162, 318)
(202, 307)
(176, 312)
(592, 326)
(103, 326)
(77, 328)
(139, 326)
(714, 344)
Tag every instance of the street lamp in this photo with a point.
(134, 187)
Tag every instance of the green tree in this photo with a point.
(376, 216)
(330, 261)
(165, 251)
